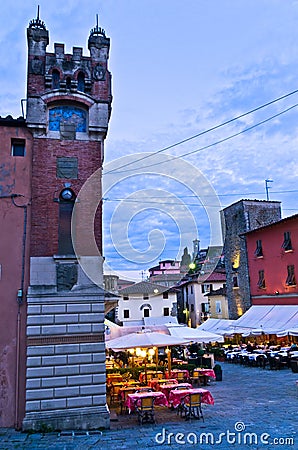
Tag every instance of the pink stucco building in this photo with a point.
(15, 204)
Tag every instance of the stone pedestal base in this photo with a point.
(72, 419)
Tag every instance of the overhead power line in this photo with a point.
(181, 197)
(213, 144)
(206, 131)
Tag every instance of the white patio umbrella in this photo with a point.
(195, 334)
(146, 340)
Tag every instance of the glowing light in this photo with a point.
(236, 261)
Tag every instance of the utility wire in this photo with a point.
(206, 146)
(181, 197)
(184, 205)
(205, 131)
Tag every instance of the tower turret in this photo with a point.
(38, 39)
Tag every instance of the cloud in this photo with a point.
(179, 70)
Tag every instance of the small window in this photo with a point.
(126, 313)
(261, 281)
(218, 307)
(145, 296)
(166, 311)
(206, 288)
(18, 147)
(259, 249)
(125, 297)
(291, 279)
(68, 83)
(81, 82)
(235, 281)
(205, 307)
(146, 312)
(191, 289)
(55, 79)
(192, 307)
(287, 243)
(165, 295)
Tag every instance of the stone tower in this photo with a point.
(68, 110)
(238, 218)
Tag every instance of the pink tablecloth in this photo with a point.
(174, 373)
(155, 383)
(150, 374)
(205, 372)
(114, 378)
(176, 396)
(135, 399)
(167, 388)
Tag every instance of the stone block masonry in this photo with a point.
(65, 376)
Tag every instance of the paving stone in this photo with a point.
(254, 400)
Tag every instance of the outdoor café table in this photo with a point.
(142, 375)
(135, 399)
(175, 372)
(167, 388)
(204, 373)
(176, 396)
(179, 361)
(127, 388)
(156, 382)
(114, 378)
(231, 356)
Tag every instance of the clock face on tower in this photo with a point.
(68, 115)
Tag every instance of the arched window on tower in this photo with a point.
(55, 79)
(68, 83)
(66, 204)
(81, 82)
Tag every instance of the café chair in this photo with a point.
(133, 383)
(144, 389)
(126, 392)
(191, 406)
(196, 378)
(145, 410)
(180, 377)
(114, 393)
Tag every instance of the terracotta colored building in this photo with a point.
(52, 306)
(273, 263)
(15, 214)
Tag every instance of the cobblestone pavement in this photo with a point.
(254, 409)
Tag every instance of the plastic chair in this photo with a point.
(179, 387)
(145, 410)
(180, 376)
(144, 389)
(114, 395)
(126, 392)
(196, 378)
(192, 407)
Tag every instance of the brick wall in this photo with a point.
(47, 187)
